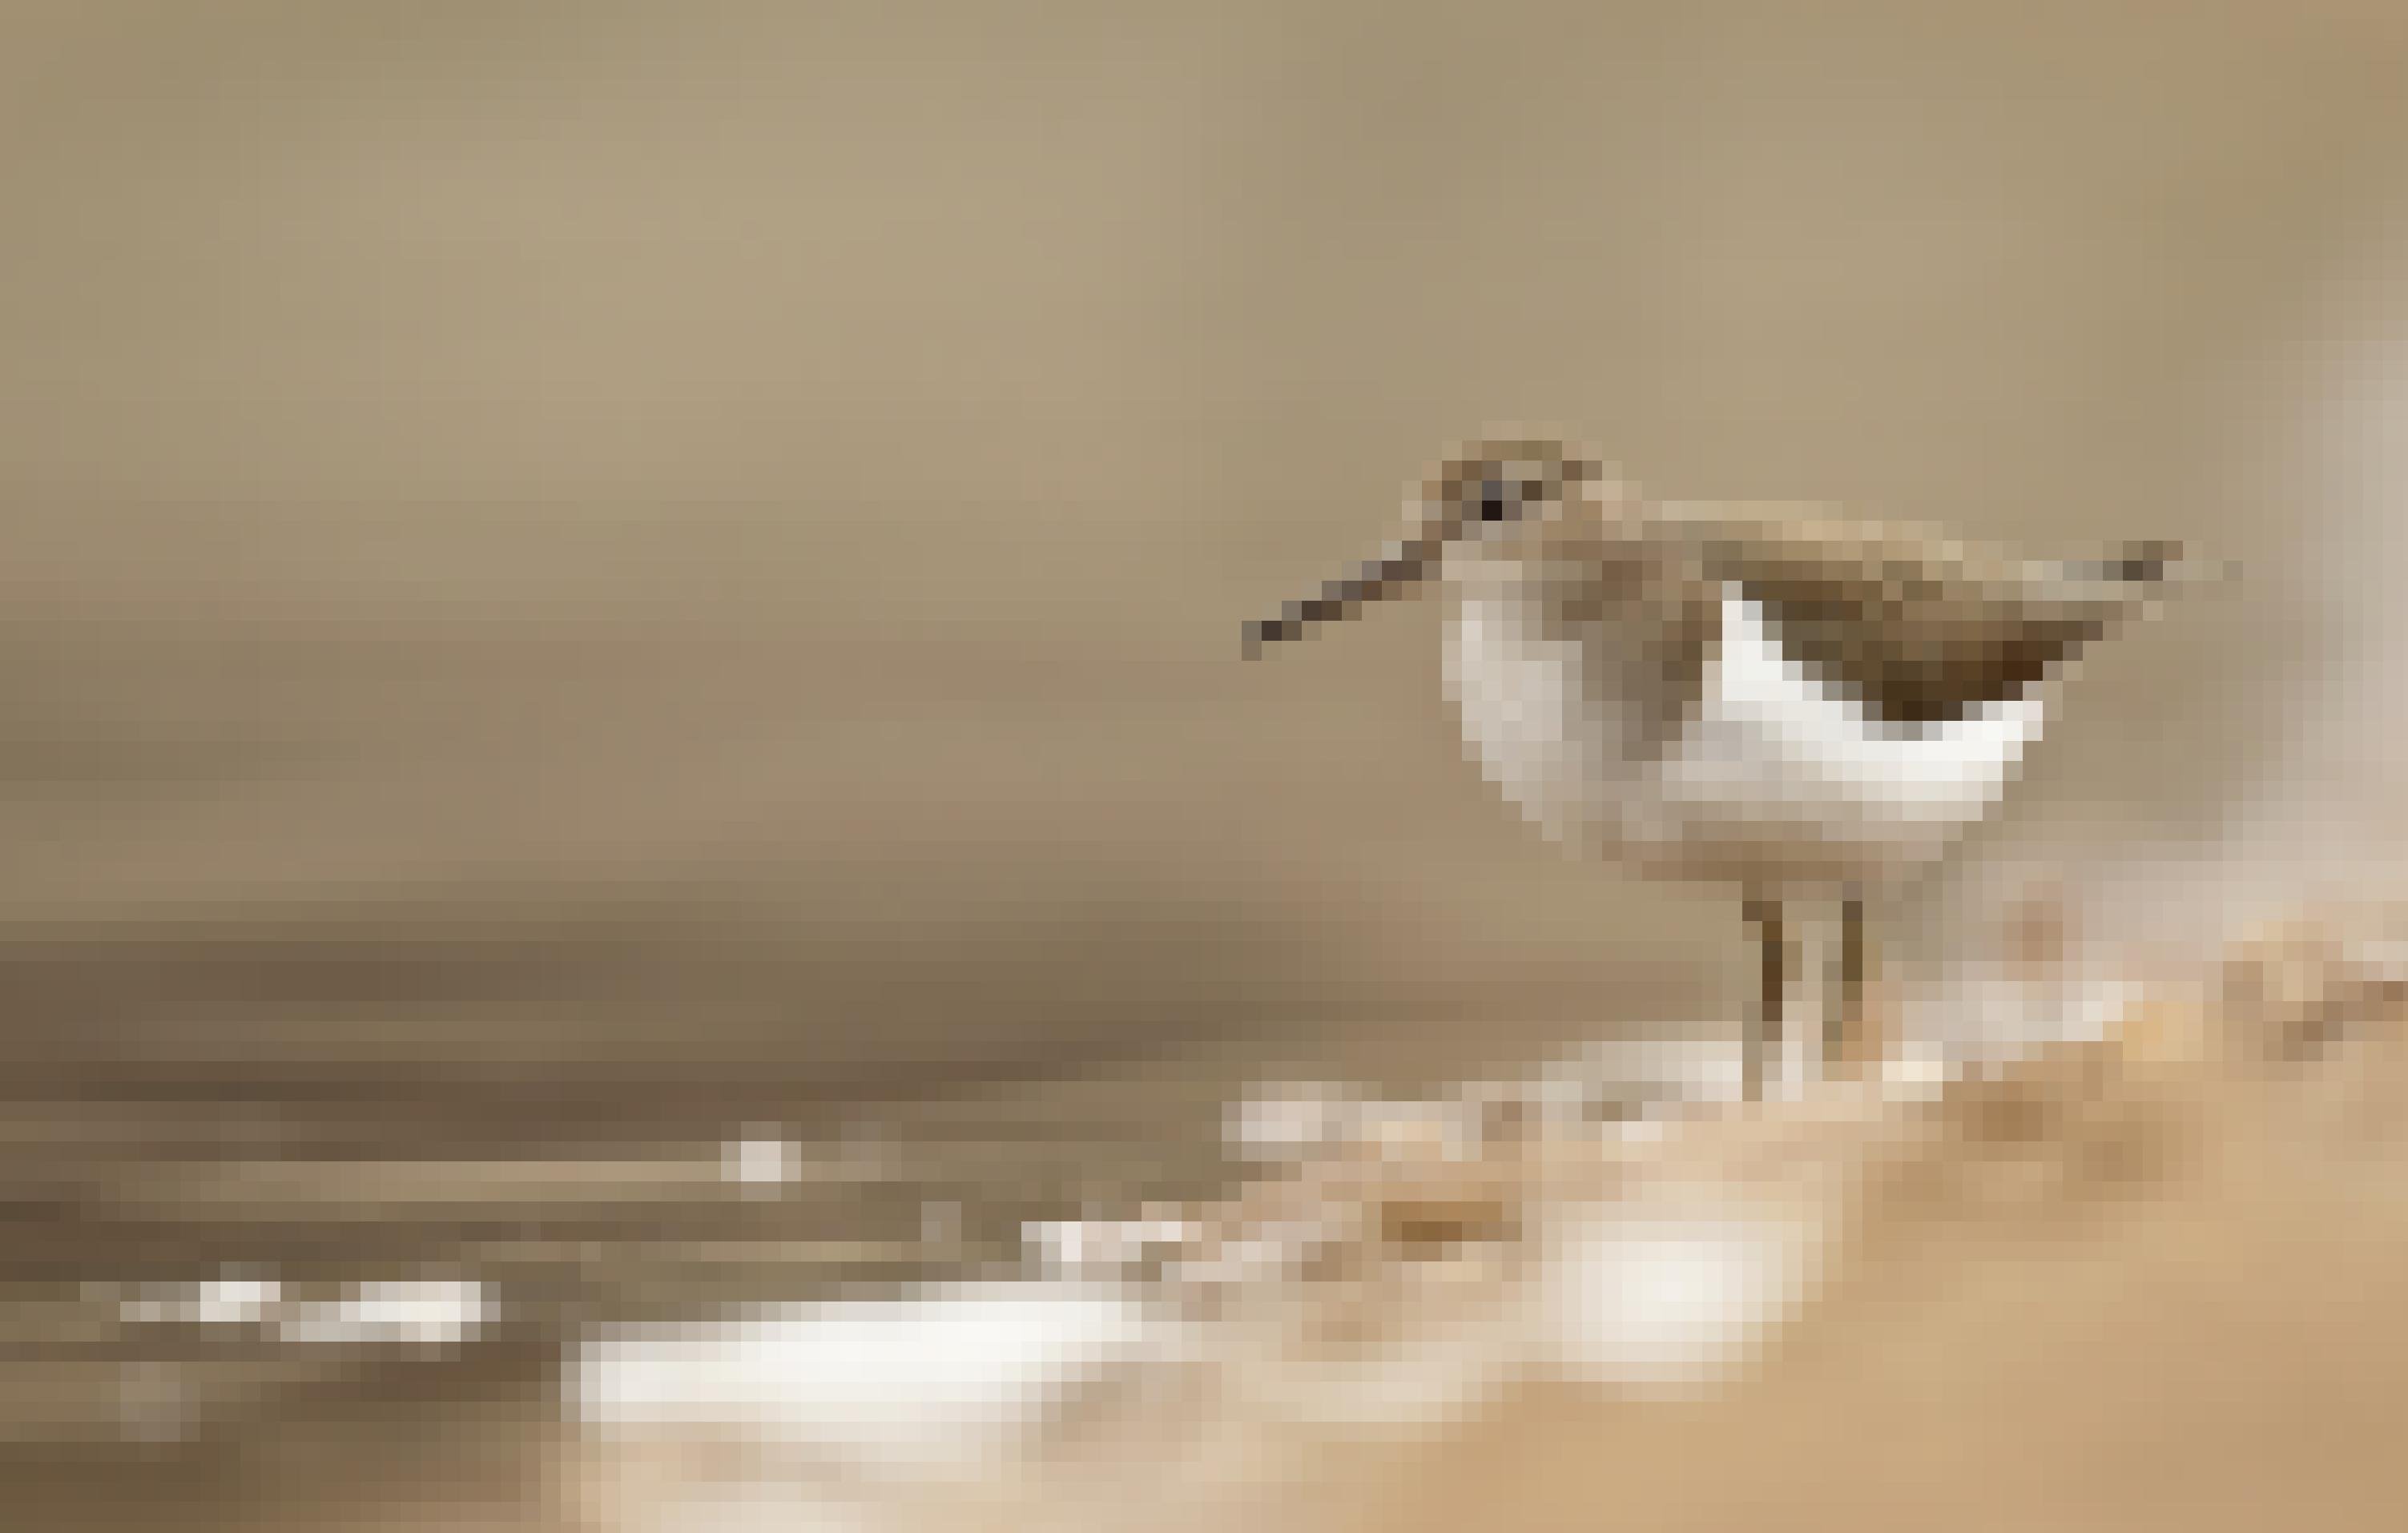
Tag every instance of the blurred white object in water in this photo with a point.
(228, 1299)
(755, 1161)
(410, 1312)
(1989, 1015)
(417, 1313)
(1669, 1300)
(956, 1378)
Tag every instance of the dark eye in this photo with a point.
(1497, 500)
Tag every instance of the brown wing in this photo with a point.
(1919, 629)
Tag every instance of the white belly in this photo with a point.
(1775, 779)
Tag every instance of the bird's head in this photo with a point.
(1497, 496)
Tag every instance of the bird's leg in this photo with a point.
(1843, 1016)
(1772, 969)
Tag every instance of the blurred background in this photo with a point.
(580, 582)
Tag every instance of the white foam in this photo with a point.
(229, 1299)
(1985, 1014)
(1667, 1299)
(415, 1314)
(760, 1162)
(411, 1311)
(955, 1379)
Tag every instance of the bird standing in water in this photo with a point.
(1794, 705)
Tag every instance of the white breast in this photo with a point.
(1777, 778)
(1553, 743)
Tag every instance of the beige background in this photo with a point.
(674, 524)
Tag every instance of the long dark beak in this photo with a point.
(2158, 566)
(1401, 567)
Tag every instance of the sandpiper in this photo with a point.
(1768, 696)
